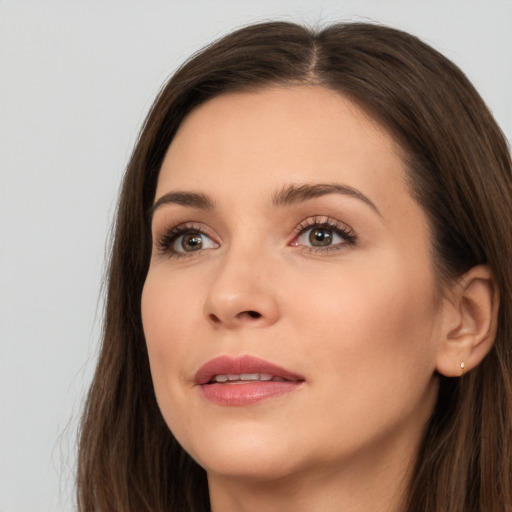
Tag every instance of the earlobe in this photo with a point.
(470, 318)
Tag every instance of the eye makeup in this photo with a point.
(186, 240)
(323, 234)
(316, 234)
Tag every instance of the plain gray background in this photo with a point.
(77, 78)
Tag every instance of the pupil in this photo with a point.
(192, 242)
(320, 237)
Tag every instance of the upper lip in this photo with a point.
(224, 365)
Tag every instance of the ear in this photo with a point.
(470, 320)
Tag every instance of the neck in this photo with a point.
(355, 486)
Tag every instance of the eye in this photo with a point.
(325, 234)
(320, 237)
(193, 241)
(183, 240)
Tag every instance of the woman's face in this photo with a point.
(288, 247)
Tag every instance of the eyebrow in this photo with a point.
(288, 195)
(293, 194)
(193, 199)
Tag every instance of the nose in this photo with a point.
(241, 294)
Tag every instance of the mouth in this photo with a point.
(245, 377)
(244, 380)
(228, 369)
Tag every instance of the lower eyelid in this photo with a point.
(211, 243)
(164, 242)
(342, 230)
(167, 237)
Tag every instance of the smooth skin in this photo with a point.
(335, 283)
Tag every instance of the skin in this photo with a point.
(361, 320)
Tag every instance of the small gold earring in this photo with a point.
(462, 367)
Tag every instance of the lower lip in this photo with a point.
(246, 393)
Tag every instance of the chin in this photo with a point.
(247, 457)
(261, 469)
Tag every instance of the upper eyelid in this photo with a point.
(306, 223)
(344, 230)
(180, 229)
(181, 226)
(321, 220)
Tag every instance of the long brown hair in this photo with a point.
(460, 172)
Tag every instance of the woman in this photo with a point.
(309, 302)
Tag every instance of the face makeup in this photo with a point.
(290, 308)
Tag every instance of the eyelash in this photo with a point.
(342, 230)
(167, 240)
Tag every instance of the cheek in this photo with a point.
(168, 322)
(372, 344)
(373, 329)
(169, 309)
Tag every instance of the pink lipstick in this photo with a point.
(244, 380)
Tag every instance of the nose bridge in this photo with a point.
(241, 291)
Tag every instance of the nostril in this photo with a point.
(251, 314)
(243, 315)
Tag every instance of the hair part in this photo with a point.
(459, 170)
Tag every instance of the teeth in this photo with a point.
(250, 376)
(246, 377)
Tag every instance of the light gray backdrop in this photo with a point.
(77, 78)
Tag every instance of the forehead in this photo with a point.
(280, 135)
